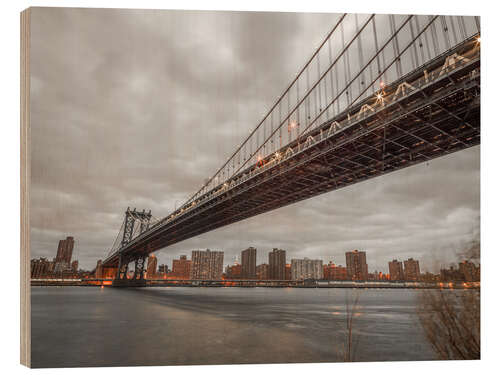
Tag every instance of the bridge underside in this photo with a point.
(438, 114)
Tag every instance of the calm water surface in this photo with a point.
(87, 326)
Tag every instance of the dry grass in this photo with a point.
(451, 318)
(348, 351)
(451, 321)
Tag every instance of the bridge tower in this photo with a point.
(135, 223)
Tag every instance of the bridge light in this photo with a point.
(379, 96)
(382, 84)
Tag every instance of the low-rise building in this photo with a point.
(302, 269)
(234, 271)
(263, 271)
(181, 268)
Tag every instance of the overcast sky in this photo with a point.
(136, 108)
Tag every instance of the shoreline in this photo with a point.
(265, 284)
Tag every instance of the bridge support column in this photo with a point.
(121, 279)
(121, 273)
(140, 268)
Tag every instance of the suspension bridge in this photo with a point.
(380, 93)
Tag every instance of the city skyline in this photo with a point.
(355, 264)
(429, 210)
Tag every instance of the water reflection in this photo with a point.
(76, 326)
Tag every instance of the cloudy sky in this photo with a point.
(137, 108)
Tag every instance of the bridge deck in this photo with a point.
(430, 112)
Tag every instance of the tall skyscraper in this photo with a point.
(306, 268)
(181, 267)
(64, 254)
(396, 270)
(151, 268)
(249, 263)
(277, 264)
(357, 269)
(206, 265)
(412, 270)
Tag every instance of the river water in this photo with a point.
(89, 326)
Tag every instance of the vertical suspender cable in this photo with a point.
(325, 85)
(308, 100)
(426, 42)
(347, 55)
(319, 86)
(445, 32)
(375, 40)
(331, 73)
(361, 82)
(345, 64)
(453, 29)
(461, 27)
(298, 111)
(273, 144)
(336, 71)
(288, 112)
(395, 46)
(414, 52)
(435, 40)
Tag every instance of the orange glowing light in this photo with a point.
(382, 84)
